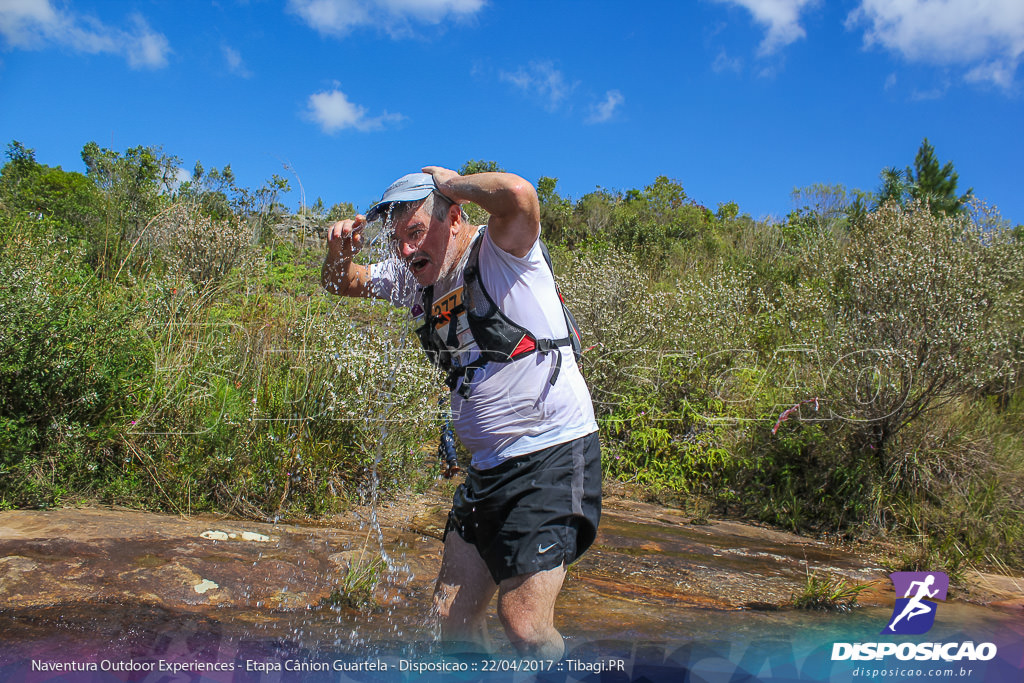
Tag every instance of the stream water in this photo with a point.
(661, 644)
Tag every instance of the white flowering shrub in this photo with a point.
(200, 248)
(923, 317)
(261, 419)
(808, 378)
(658, 425)
(623, 322)
(909, 316)
(372, 395)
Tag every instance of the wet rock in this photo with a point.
(12, 570)
(998, 590)
(646, 559)
(67, 556)
(1012, 604)
(342, 562)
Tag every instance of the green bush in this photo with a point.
(71, 365)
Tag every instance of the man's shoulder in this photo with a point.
(391, 281)
(495, 254)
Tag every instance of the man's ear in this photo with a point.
(455, 217)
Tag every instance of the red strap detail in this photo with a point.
(526, 344)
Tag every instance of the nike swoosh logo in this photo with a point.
(541, 551)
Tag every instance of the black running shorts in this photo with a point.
(532, 512)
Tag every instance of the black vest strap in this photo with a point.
(498, 338)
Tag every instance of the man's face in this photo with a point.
(424, 243)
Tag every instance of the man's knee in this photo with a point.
(526, 608)
(532, 634)
(457, 605)
(525, 627)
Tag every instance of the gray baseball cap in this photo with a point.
(408, 188)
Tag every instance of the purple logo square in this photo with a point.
(914, 612)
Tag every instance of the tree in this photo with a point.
(648, 223)
(894, 187)
(819, 219)
(928, 181)
(210, 190)
(664, 196)
(919, 322)
(318, 209)
(727, 211)
(21, 166)
(144, 171)
(857, 210)
(824, 205)
(341, 211)
(65, 196)
(555, 212)
(595, 212)
(473, 166)
(934, 183)
(136, 185)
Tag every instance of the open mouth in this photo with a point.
(418, 263)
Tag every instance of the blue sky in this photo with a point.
(738, 100)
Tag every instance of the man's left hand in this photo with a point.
(444, 178)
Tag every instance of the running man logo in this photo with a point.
(914, 613)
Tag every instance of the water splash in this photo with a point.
(379, 246)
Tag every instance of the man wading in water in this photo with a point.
(486, 310)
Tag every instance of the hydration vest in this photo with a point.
(498, 338)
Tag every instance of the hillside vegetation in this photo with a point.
(854, 368)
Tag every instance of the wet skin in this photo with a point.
(428, 246)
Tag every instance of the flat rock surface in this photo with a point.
(644, 555)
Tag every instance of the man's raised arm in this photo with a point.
(339, 275)
(511, 201)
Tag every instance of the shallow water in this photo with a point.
(656, 598)
(659, 642)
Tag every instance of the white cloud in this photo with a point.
(781, 19)
(723, 62)
(935, 93)
(605, 110)
(181, 176)
(543, 81)
(36, 24)
(987, 36)
(236, 65)
(432, 11)
(338, 17)
(332, 17)
(333, 111)
(146, 48)
(997, 72)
